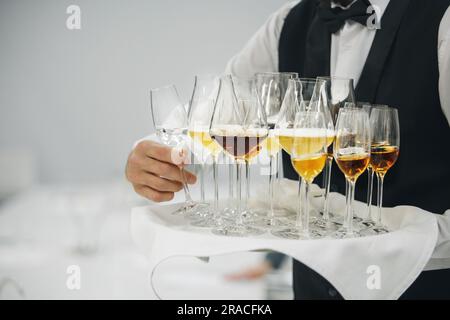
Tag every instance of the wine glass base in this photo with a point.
(191, 210)
(367, 224)
(237, 231)
(324, 226)
(268, 223)
(207, 222)
(373, 231)
(296, 234)
(342, 233)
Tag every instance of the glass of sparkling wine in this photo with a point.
(308, 156)
(239, 128)
(170, 121)
(385, 133)
(199, 118)
(352, 154)
(300, 96)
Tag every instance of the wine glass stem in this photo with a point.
(187, 193)
(239, 193)
(271, 212)
(369, 192)
(346, 195)
(247, 184)
(305, 213)
(202, 182)
(231, 183)
(298, 221)
(349, 213)
(380, 180)
(326, 207)
(216, 187)
(279, 165)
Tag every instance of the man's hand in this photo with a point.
(252, 273)
(153, 174)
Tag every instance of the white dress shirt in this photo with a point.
(350, 48)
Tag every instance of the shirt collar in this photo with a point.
(381, 4)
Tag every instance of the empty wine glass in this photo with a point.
(170, 121)
(272, 88)
(336, 94)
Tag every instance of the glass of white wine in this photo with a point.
(199, 119)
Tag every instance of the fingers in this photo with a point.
(152, 173)
(253, 273)
(158, 159)
(166, 170)
(158, 183)
(155, 150)
(153, 195)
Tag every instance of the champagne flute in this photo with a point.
(338, 92)
(300, 95)
(369, 221)
(352, 154)
(239, 128)
(385, 132)
(309, 153)
(199, 120)
(170, 121)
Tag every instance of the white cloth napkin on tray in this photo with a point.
(375, 267)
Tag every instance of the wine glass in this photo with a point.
(272, 88)
(170, 121)
(283, 87)
(369, 221)
(336, 94)
(245, 90)
(239, 127)
(199, 119)
(385, 133)
(300, 96)
(352, 154)
(308, 156)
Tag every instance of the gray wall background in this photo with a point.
(79, 99)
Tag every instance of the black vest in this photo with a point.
(401, 71)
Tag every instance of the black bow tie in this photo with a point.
(335, 18)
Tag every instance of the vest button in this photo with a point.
(332, 292)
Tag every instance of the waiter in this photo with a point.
(398, 53)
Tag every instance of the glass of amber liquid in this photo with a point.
(385, 133)
(352, 149)
(308, 147)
